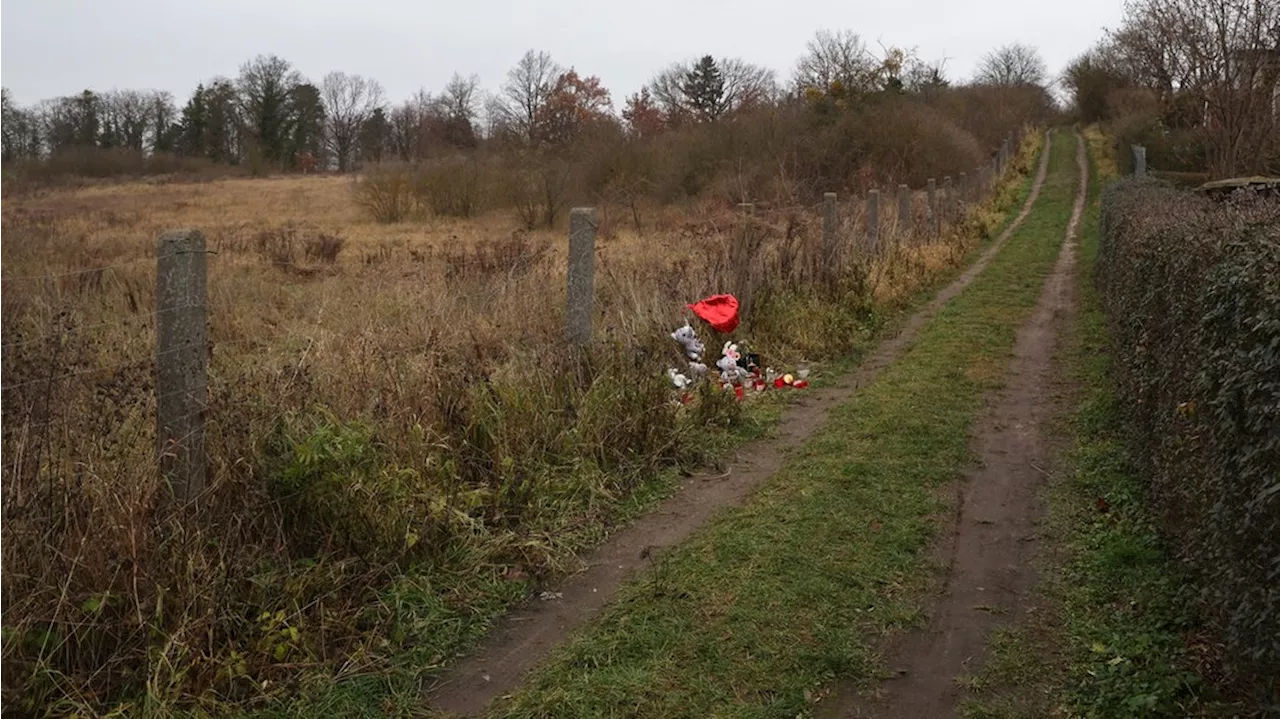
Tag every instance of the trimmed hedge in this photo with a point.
(1191, 289)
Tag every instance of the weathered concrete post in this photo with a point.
(582, 271)
(935, 219)
(948, 198)
(964, 190)
(828, 235)
(873, 219)
(182, 356)
(1140, 160)
(904, 210)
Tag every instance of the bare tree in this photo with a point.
(667, 89)
(744, 85)
(528, 86)
(162, 121)
(408, 126)
(461, 99)
(1144, 50)
(1011, 66)
(1213, 64)
(10, 127)
(349, 100)
(926, 79)
(124, 116)
(496, 122)
(837, 57)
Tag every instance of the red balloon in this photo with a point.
(719, 311)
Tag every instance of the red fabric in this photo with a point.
(719, 311)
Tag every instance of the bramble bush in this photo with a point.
(1192, 293)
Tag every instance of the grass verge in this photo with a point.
(1112, 633)
(773, 600)
(440, 615)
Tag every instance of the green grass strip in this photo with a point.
(1115, 632)
(776, 598)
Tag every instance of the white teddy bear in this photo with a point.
(730, 371)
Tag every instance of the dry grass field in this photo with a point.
(399, 441)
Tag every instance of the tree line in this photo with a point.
(1198, 81)
(271, 116)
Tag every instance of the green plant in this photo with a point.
(339, 494)
(1192, 293)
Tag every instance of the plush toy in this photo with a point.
(697, 369)
(692, 345)
(677, 379)
(730, 349)
(730, 371)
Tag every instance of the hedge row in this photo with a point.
(1191, 288)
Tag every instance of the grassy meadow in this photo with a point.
(399, 441)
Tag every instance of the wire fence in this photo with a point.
(177, 325)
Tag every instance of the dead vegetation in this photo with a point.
(394, 419)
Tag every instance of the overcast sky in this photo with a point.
(60, 47)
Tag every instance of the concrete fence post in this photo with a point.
(1139, 160)
(934, 219)
(904, 210)
(948, 198)
(964, 190)
(582, 271)
(873, 219)
(182, 360)
(828, 235)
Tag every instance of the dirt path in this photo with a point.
(988, 553)
(526, 635)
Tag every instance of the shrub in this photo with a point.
(278, 246)
(323, 247)
(1168, 149)
(1192, 293)
(451, 187)
(340, 494)
(386, 192)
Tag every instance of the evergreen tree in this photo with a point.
(209, 126)
(703, 89)
(375, 136)
(87, 122)
(306, 120)
(160, 118)
(193, 140)
(222, 139)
